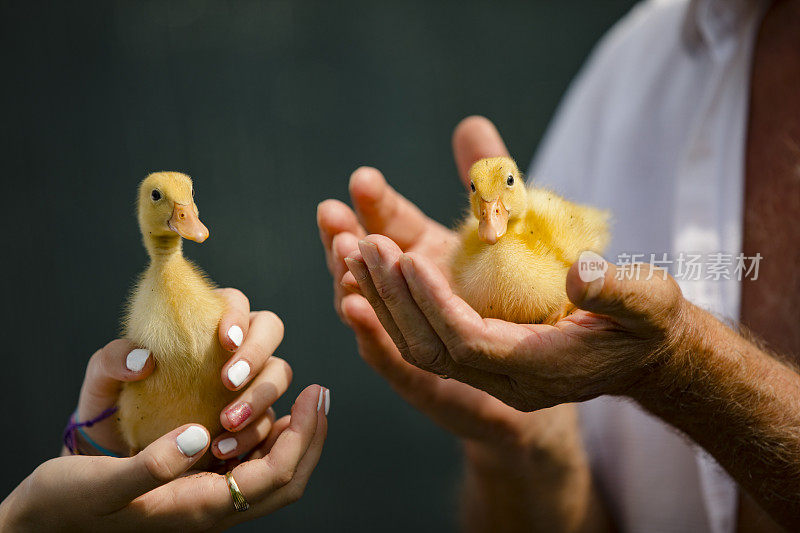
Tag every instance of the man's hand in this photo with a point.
(506, 449)
(461, 409)
(623, 330)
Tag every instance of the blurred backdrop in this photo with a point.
(269, 105)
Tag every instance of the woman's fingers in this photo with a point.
(235, 320)
(162, 461)
(230, 445)
(294, 490)
(117, 362)
(264, 390)
(264, 335)
(258, 479)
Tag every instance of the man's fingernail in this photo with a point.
(321, 398)
(238, 372)
(592, 271)
(226, 446)
(370, 253)
(137, 359)
(357, 268)
(407, 266)
(237, 414)
(327, 401)
(236, 335)
(192, 440)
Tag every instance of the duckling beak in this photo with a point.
(493, 221)
(185, 223)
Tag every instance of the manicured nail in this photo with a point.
(238, 372)
(370, 253)
(192, 440)
(321, 398)
(236, 335)
(327, 401)
(137, 359)
(226, 446)
(238, 414)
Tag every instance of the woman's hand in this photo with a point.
(146, 492)
(252, 337)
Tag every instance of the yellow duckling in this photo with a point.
(517, 244)
(173, 312)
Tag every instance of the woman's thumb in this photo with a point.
(162, 461)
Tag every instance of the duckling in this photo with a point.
(174, 312)
(517, 244)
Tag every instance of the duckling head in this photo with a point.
(497, 196)
(167, 211)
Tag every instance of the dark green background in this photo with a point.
(269, 106)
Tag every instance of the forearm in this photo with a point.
(544, 487)
(739, 403)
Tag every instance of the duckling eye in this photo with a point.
(472, 186)
(510, 181)
(155, 195)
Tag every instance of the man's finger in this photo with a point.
(383, 210)
(334, 217)
(421, 341)
(512, 347)
(355, 262)
(635, 295)
(475, 138)
(235, 320)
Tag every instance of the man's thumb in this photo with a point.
(631, 292)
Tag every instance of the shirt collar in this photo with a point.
(711, 23)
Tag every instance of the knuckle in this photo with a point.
(283, 476)
(157, 468)
(295, 491)
(273, 320)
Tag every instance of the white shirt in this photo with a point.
(654, 129)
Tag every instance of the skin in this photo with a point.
(523, 470)
(151, 489)
(632, 335)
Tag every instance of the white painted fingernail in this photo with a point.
(327, 401)
(321, 398)
(192, 440)
(238, 372)
(236, 335)
(226, 446)
(137, 359)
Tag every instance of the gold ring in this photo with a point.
(239, 501)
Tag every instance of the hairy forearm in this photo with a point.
(544, 487)
(739, 403)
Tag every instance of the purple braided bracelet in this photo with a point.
(72, 426)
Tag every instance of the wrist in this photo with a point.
(548, 437)
(687, 354)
